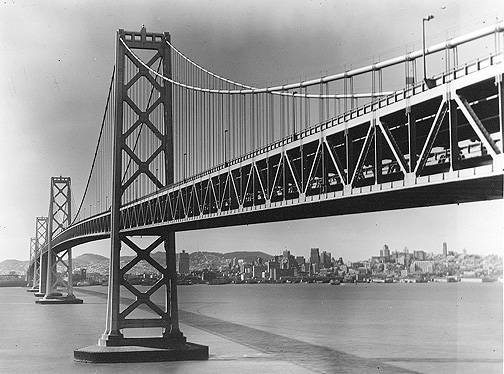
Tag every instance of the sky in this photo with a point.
(56, 58)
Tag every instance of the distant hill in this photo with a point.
(88, 259)
(94, 263)
(247, 256)
(19, 267)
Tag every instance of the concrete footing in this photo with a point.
(107, 354)
(56, 300)
(42, 294)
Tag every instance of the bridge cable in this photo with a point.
(97, 146)
(279, 90)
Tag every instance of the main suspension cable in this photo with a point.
(279, 90)
(97, 146)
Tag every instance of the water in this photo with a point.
(294, 328)
(428, 328)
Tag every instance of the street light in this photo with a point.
(430, 83)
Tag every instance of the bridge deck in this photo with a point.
(251, 189)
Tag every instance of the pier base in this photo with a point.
(107, 354)
(56, 300)
(42, 294)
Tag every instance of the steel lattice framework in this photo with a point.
(191, 149)
(33, 271)
(40, 243)
(406, 143)
(161, 131)
(60, 213)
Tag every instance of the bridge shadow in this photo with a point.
(311, 356)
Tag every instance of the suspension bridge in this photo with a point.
(183, 148)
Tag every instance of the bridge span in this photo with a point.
(190, 150)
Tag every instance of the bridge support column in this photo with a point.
(169, 344)
(33, 270)
(59, 218)
(42, 276)
(40, 242)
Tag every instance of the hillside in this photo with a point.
(88, 259)
(19, 267)
(94, 263)
(247, 256)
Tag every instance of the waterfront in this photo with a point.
(300, 328)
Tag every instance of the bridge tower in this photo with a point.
(60, 217)
(151, 110)
(40, 242)
(32, 272)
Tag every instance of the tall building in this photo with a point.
(314, 256)
(422, 267)
(325, 259)
(419, 255)
(386, 251)
(272, 269)
(300, 260)
(183, 263)
(445, 249)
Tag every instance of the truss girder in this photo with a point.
(313, 156)
(364, 151)
(431, 137)
(396, 151)
(477, 126)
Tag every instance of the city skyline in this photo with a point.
(48, 105)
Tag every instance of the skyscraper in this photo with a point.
(445, 249)
(183, 263)
(314, 256)
(300, 260)
(325, 259)
(386, 251)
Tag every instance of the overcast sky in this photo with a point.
(56, 58)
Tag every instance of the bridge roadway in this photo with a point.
(327, 170)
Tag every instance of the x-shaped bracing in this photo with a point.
(143, 297)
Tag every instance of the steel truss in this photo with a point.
(60, 217)
(383, 149)
(394, 143)
(32, 273)
(167, 315)
(40, 243)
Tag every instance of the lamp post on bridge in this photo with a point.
(430, 83)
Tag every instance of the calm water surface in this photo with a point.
(361, 328)
(453, 324)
